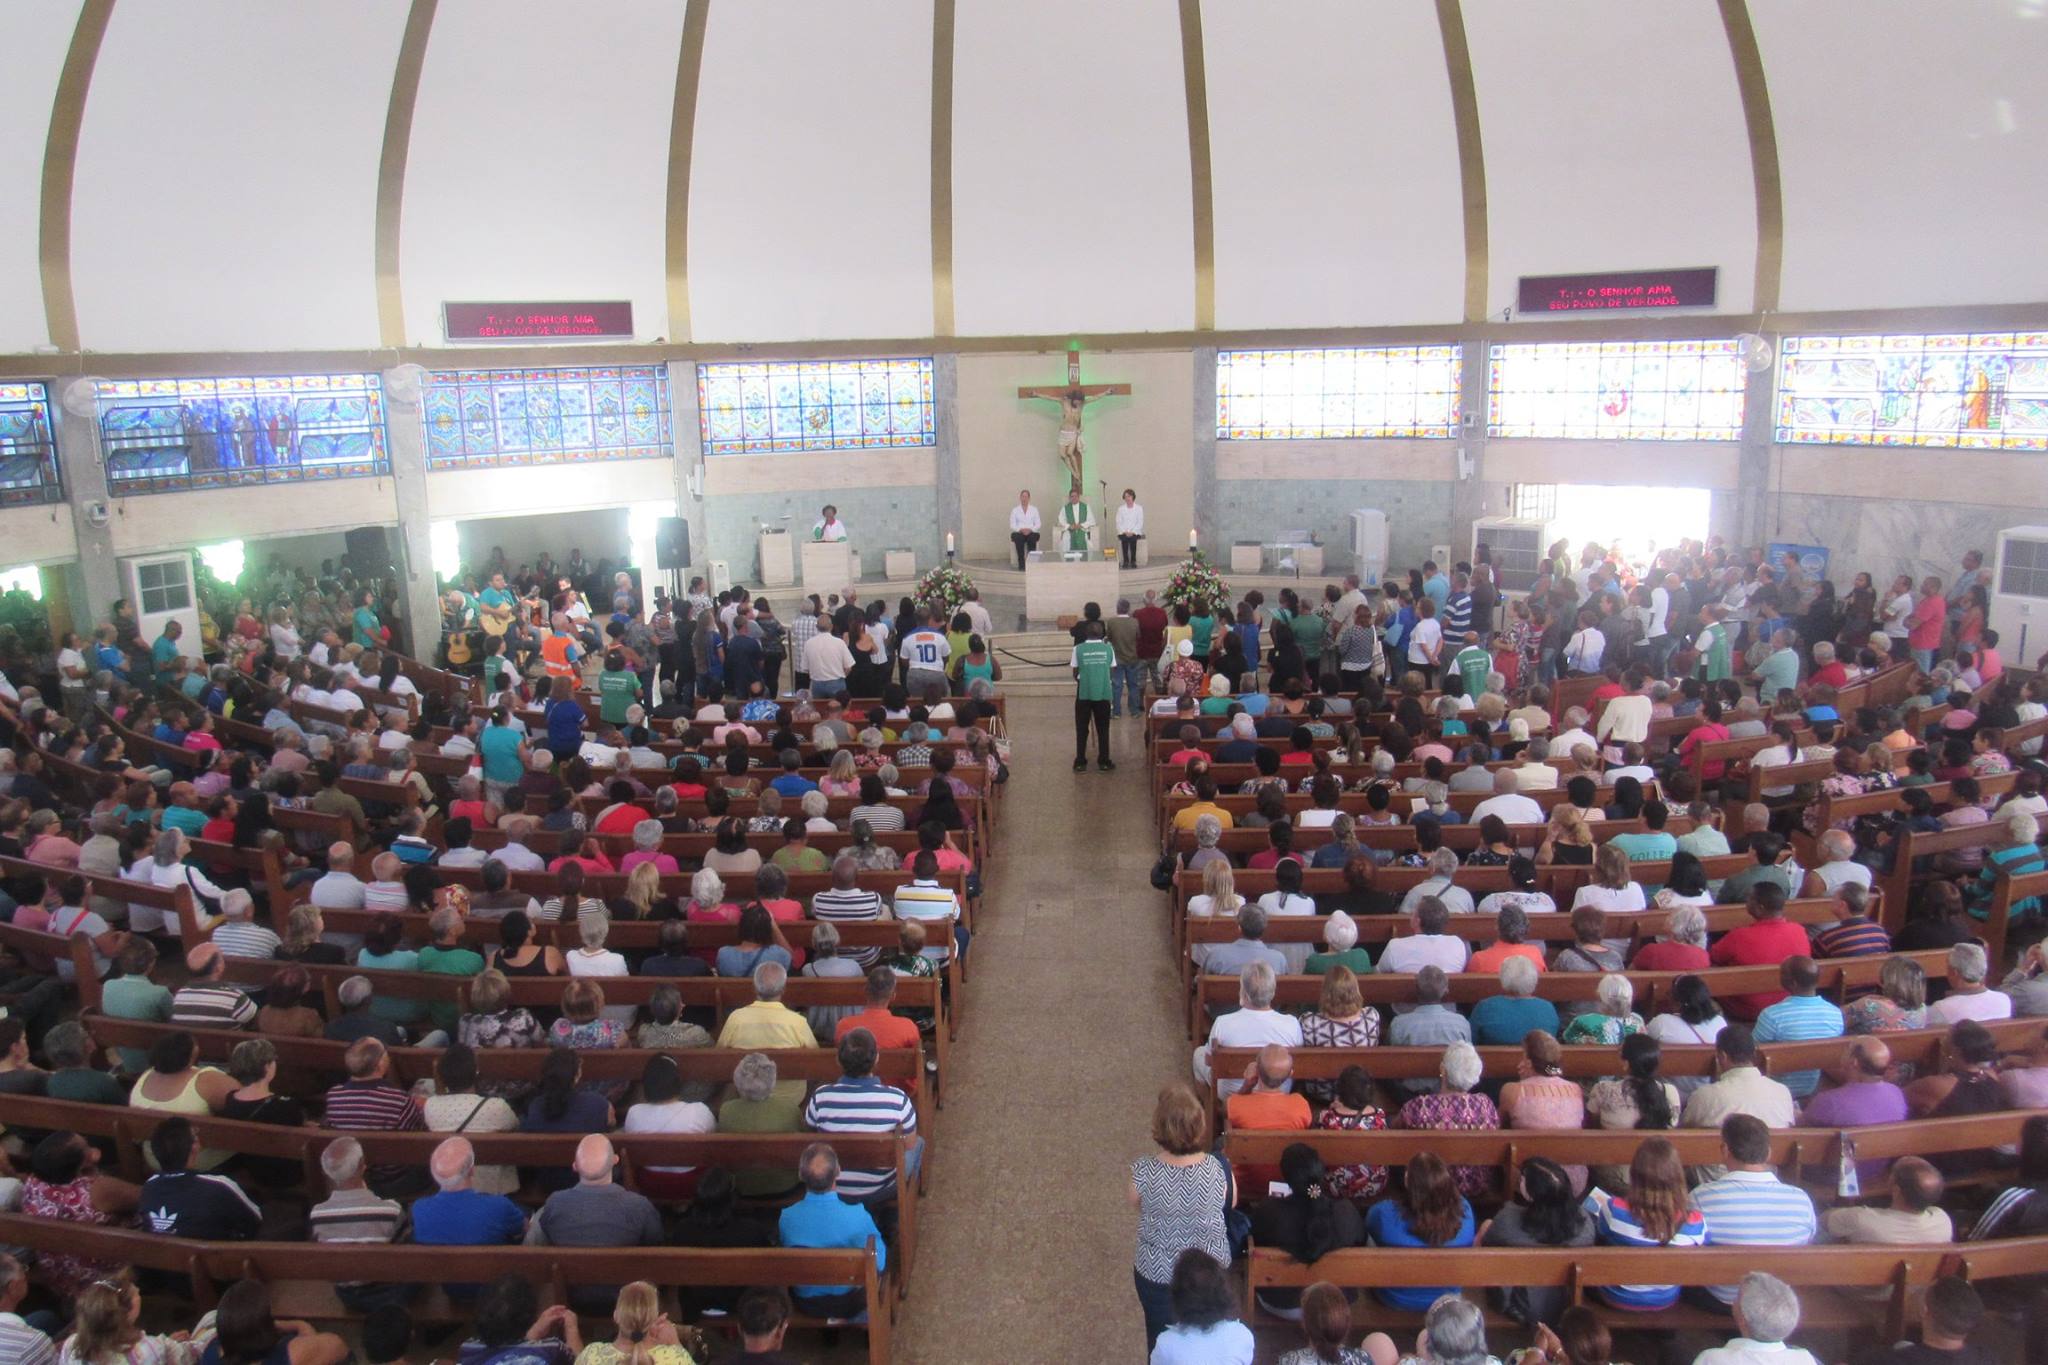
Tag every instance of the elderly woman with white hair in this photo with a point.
(593, 958)
(814, 805)
(1453, 1333)
(756, 1105)
(2016, 853)
(647, 849)
(1682, 947)
(1340, 949)
(1614, 1020)
(1457, 1106)
(167, 870)
(707, 903)
(1208, 834)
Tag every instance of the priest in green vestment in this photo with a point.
(1074, 521)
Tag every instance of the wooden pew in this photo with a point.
(1218, 994)
(302, 1275)
(1998, 914)
(176, 903)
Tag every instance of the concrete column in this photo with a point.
(1468, 491)
(406, 431)
(946, 401)
(1208, 507)
(85, 488)
(1753, 471)
(687, 432)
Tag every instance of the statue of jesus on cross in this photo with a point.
(1072, 397)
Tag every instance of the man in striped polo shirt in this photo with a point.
(19, 1342)
(368, 1103)
(1750, 1206)
(860, 1102)
(238, 935)
(848, 903)
(1800, 1016)
(353, 1216)
(207, 1001)
(923, 898)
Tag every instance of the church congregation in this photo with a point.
(548, 569)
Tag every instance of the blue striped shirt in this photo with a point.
(861, 1104)
(1794, 1019)
(1615, 1224)
(1753, 1208)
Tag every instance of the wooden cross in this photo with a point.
(1073, 397)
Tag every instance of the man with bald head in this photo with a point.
(596, 1212)
(1862, 1094)
(458, 1216)
(339, 889)
(1915, 1214)
(1266, 1101)
(206, 1000)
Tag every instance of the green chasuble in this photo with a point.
(1074, 518)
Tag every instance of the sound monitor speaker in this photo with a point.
(369, 549)
(672, 544)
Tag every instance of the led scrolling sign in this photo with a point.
(607, 320)
(1618, 291)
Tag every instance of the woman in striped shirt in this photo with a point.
(1655, 1213)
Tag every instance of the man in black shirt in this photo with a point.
(1949, 1313)
(181, 1202)
(356, 1022)
(764, 1322)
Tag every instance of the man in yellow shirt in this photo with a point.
(768, 1024)
(1204, 804)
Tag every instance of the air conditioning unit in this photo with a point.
(1515, 547)
(1369, 545)
(2019, 592)
(721, 576)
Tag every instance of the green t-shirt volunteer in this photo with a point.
(1092, 662)
(617, 689)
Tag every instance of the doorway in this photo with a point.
(1637, 520)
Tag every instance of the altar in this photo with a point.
(1054, 588)
(827, 565)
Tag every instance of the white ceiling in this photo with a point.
(227, 165)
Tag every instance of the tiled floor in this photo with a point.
(1070, 1027)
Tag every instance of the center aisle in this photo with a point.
(1026, 1241)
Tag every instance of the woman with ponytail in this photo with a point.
(646, 1336)
(1310, 1223)
(1639, 1099)
(105, 1331)
(1544, 1213)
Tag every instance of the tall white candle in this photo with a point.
(1191, 538)
(949, 542)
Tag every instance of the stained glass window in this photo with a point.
(168, 435)
(756, 407)
(28, 446)
(1617, 390)
(552, 416)
(1338, 392)
(1987, 390)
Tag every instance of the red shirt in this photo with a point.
(1665, 956)
(1706, 732)
(1151, 631)
(620, 819)
(1834, 675)
(1608, 692)
(1760, 943)
(593, 861)
(688, 791)
(890, 1030)
(219, 830)
(1924, 625)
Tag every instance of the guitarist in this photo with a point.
(458, 624)
(498, 613)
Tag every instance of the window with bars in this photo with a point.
(547, 416)
(28, 445)
(1617, 390)
(775, 406)
(1987, 390)
(170, 435)
(1338, 393)
(1536, 501)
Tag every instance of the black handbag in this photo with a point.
(1163, 870)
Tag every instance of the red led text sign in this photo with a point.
(611, 320)
(1619, 291)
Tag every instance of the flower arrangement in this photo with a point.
(946, 586)
(1197, 586)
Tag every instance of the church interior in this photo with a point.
(429, 490)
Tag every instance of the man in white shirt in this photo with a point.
(1254, 1023)
(1534, 773)
(1766, 1312)
(514, 853)
(1443, 865)
(1582, 653)
(978, 619)
(1626, 717)
(1286, 899)
(927, 651)
(1739, 1087)
(829, 527)
(1968, 997)
(1657, 628)
(1025, 525)
(827, 660)
(1508, 802)
(1351, 601)
(1428, 946)
(1575, 732)
(1425, 642)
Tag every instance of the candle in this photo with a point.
(1191, 538)
(949, 542)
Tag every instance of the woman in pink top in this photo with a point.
(647, 849)
(1542, 1097)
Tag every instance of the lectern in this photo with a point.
(778, 558)
(827, 565)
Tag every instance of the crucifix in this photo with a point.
(1072, 397)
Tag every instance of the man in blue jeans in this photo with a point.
(1127, 674)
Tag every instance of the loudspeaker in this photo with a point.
(369, 549)
(672, 544)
